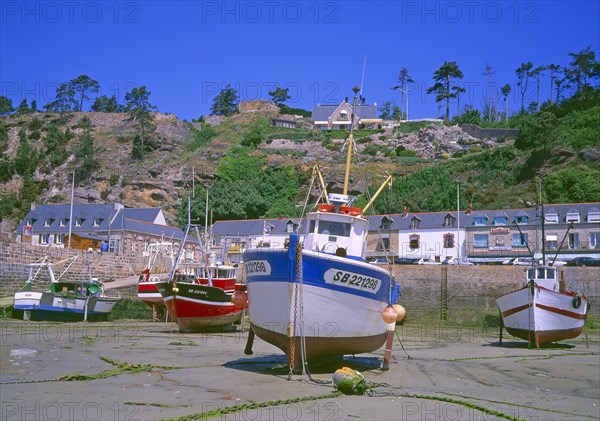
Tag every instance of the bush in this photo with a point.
(127, 308)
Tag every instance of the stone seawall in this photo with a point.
(15, 258)
(484, 133)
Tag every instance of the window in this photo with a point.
(449, 221)
(551, 218)
(551, 242)
(334, 228)
(415, 222)
(500, 220)
(59, 238)
(44, 238)
(79, 222)
(521, 220)
(383, 244)
(311, 227)
(343, 115)
(574, 240)
(413, 242)
(479, 220)
(519, 240)
(63, 222)
(572, 217)
(48, 222)
(595, 240)
(97, 221)
(480, 240)
(448, 241)
(594, 216)
(290, 227)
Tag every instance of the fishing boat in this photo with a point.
(199, 294)
(147, 290)
(199, 297)
(542, 311)
(62, 301)
(316, 295)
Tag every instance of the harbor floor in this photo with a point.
(138, 370)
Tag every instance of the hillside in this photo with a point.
(424, 157)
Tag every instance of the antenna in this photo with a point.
(362, 80)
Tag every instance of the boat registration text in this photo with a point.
(352, 280)
(257, 267)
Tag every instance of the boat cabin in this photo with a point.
(337, 229)
(543, 276)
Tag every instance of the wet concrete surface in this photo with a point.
(453, 373)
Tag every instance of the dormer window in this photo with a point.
(551, 218)
(30, 221)
(290, 227)
(98, 221)
(415, 222)
(479, 220)
(521, 220)
(343, 115)
(500, 220)
(449, 221)
(572, 217)
(63, 222)
(386, 223)
(593, 216)
(48, 222)
(79, 222)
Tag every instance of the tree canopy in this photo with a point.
(225, 103)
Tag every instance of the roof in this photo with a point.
(251, 227)
(323, 112)
(97, 218)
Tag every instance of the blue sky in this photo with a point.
(184, 52)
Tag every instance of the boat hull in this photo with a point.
(148, 293)
(198, 307)
(542, 316)
(337, 307)
(62, 307)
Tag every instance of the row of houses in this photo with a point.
(479, 236)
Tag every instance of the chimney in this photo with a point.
(469, 209)
(404, 212)
(33, 206)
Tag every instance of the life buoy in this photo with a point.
(576, 302)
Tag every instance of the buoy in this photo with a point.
(389, 315)
(401, 312)
(175, 289)
(239, 298)
(350, 382)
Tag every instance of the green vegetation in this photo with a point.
(413, 126)
(128, 308)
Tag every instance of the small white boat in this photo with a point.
(542, 312)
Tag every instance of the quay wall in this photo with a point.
(458, 293)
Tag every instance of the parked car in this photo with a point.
(521, 261)
(584, 261)
(379, 261)
(556, 263)
(427, 261)
(404, 261)
(455, 261)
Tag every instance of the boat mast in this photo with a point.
(356, 89)
(543, 228)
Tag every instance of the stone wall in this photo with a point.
(15, 257)
(480, 133)
(472, 290)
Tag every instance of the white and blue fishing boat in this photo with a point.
(63, 300)
(316, 295)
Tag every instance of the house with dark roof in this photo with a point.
(106, 227)
(239, 235)
(483, 236)
(338, 117)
